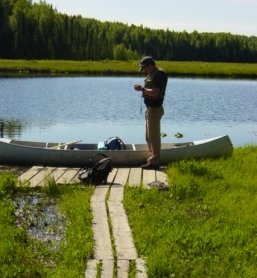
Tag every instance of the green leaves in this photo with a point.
(38, 31)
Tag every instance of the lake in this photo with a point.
(92, 109)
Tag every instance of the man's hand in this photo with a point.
(138, 88)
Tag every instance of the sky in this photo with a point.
(233, 16)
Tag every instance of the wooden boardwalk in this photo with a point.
(38, 176)
(109, 216)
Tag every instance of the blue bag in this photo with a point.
(114, 143)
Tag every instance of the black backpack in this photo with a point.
(97, 171)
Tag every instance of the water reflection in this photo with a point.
(40, 217)
(95, 108)
(10, 128)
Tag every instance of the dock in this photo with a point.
(109, 216)
(38, 176)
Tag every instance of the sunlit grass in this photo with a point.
(173, 68)
(205, 225)
(24, 256)
(77, 247)
(210, 69)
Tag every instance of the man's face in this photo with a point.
(146, 69)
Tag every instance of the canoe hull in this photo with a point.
(210, 148)
(13, 152)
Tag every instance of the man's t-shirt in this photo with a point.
(158, 79)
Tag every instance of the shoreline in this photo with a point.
(69, 68)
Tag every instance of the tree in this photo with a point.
(38, 31)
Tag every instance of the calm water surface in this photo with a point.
(95, 108)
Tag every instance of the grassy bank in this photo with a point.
(24, 256)
(205, 225)
(53, 68)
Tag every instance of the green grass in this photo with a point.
(77, 247)
(173, 68)
(208, 69)
(205, 225)
(23, 256)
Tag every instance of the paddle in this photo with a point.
(65, 144)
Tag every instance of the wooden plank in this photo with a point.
(123, 268)
(141, 268)
(122, 176)
(107, 269)
(123, 239)
(91, 270)
(68, 175)
(148, 176)
(100, 193)
(75, 179)
(116, 194)
(135, 177)
(48, 172)
(112, 175)
(57, 173)
(121, 232)
(40, 177)
(25, 177)
(103, 246)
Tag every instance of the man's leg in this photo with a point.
(153, 132)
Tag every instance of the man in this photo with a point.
(153, 94)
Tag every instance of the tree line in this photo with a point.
(38, 31)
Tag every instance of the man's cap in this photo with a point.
(146, 61)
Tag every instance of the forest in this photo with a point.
(38, 31)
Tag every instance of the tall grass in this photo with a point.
(173, 68)
(24, 256)
(18, 256)
(205, 225)
(77, 247)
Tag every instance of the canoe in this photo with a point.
(77, 154)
